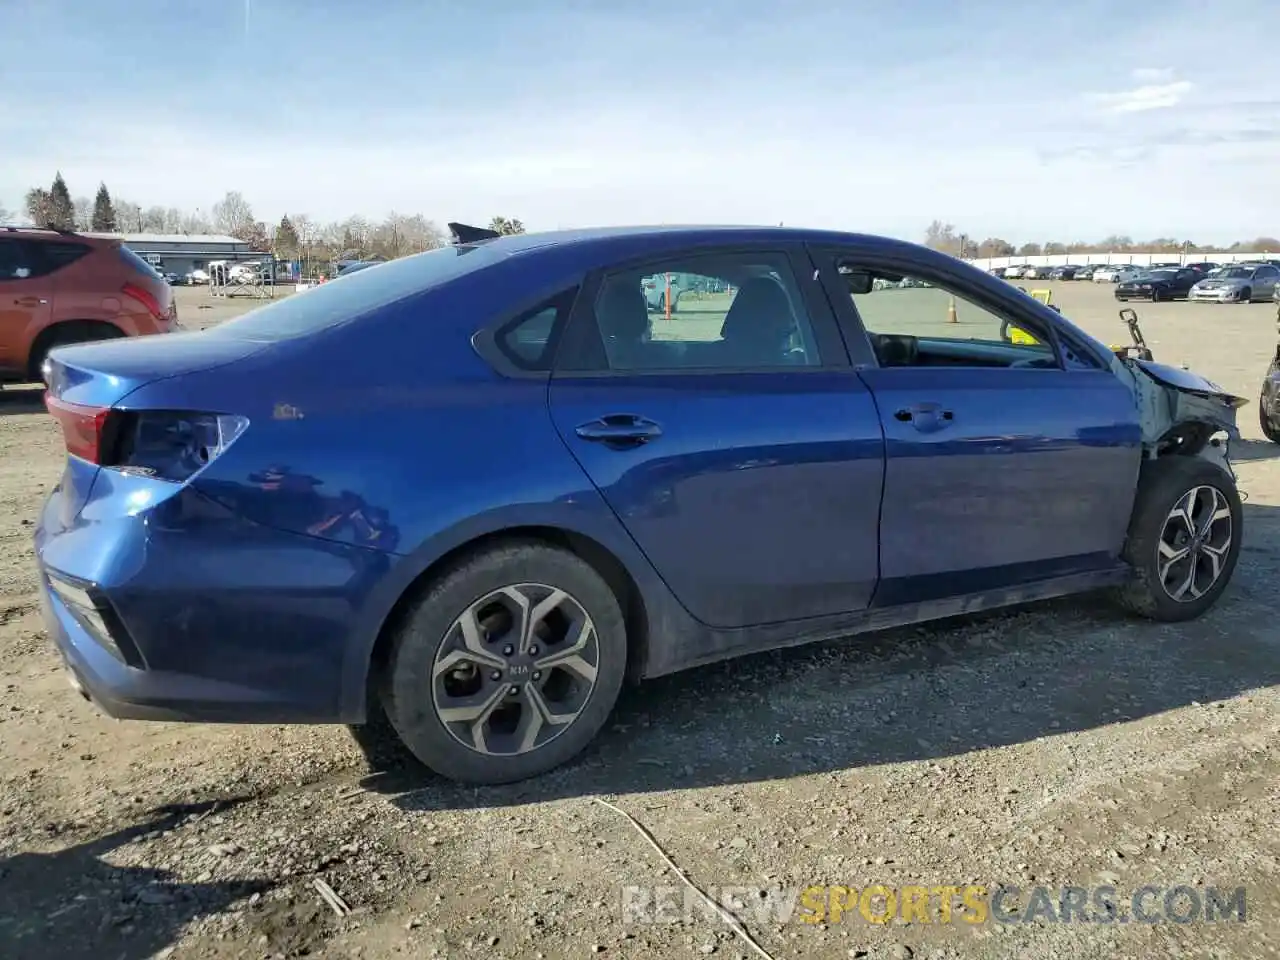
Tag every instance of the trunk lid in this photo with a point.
(102, 375)
(104, 372)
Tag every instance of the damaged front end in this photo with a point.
(1181, 412)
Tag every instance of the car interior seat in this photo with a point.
(757, 329)
(624, 324)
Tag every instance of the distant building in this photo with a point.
(183, 252)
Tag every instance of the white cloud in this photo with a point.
(1151, 96)
(1147, 75)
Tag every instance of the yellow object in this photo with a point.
(951, 312)
(1018, 335)
(1044, 296)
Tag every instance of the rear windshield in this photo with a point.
(356, 293)
(135, 261)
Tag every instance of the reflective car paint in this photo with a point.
(257, 590)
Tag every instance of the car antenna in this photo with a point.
(462, 233)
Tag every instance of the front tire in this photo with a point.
(508, 666)
(1246, 295)
(1184, 538)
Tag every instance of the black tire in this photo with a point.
(1270, 428)
(1246, 295)
(1157, 296)
(408, 696)
(65, 336)
(1161, 484)
(378, 741)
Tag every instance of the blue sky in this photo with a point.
(1024, 120)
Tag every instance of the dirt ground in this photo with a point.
(1058, 745)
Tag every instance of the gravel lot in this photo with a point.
(1059, 745)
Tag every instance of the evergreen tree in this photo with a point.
(62, 212)
(286, 237)
(104, 212)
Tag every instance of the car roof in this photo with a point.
(44, 233)
(682, 232)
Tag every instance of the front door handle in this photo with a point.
(619, 430)
(925, 417)
(31, 301)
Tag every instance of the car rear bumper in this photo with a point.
(157, 622)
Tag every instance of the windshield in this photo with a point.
(1159, 274)
(359, 293)
(1236, 273)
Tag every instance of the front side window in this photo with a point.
(731, 312)
(913, 323)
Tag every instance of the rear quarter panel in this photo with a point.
(89, 289)
(390, 434)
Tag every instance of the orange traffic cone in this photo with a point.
(951, 312)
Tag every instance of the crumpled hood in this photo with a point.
(1186, 381)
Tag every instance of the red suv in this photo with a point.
(59, 288)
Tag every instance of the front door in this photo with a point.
(26, 300)
(732, 438)
(1005, 463)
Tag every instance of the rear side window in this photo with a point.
(59, 255)
(529, 341)
(135, 261)
(358, 293)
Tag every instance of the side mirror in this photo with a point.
(859, 281)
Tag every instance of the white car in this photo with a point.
(1115, 274)
(197, 276)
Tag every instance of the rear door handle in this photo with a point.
(925, 417)
(31, 301)
(619, 430)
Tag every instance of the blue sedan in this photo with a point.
(476, 490)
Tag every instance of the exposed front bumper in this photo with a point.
(1215, 296)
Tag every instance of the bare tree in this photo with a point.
(195, 223)
(942, 236)
(233, 216)
(83, 215)
(39, 206)
(128, 216)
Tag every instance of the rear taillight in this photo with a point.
(145, 297)
(83, 427)
(172, 444)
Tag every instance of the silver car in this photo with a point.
(1238, 283)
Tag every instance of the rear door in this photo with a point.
(733, 440)
(26, 303)
(1006, 462)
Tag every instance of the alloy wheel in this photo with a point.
(1194, 544)
(515, 669)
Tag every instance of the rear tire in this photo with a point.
(508, 665)
(1185, 507)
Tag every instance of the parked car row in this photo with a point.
(1205, 281)
(1098, 272)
